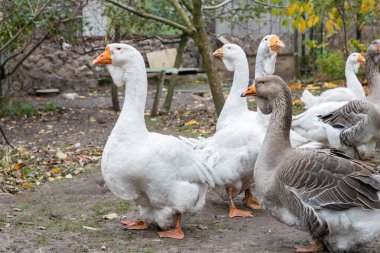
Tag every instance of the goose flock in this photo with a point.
(306, 168)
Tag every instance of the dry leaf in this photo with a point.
(191, 122)
(330, 85)
(297, 102)
(110, 216)
(55, 170)
(26, 185)
(61, 155)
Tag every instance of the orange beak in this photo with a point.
(104, 58)
(378, 49)
(275, 43)
(251, 91)
(361, 59)
(218, 53)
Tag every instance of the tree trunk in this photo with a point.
(296, 55)
(201, 40)
(173, 79)
(114, 97)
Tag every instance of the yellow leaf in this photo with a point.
(312, 87)
(329, 85)
(191, 122)
(26, 185)
(17, 166)
(295, 86)
(297, 102)
(302, 25)
(55, 170)
(292, 9)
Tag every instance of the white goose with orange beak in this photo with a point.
(163, 175)
(353, 91)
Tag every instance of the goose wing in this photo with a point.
(181, 162)
(330, 179)
(348, 115)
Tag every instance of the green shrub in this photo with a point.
(330, 65)
(17, 107)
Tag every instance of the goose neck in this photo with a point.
(353, 83)
(373, 75)
(277, 140)
(131, 122)
(265, 63)
(236, 104)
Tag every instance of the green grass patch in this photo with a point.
(51, 107)
(17, 107)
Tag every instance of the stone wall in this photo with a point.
(51, 67)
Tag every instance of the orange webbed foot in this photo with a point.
(249, 201)
(234, 212)
(315, 246)
(175, 233)
(135, 224)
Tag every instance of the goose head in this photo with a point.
(267, 89)
(231, 54)
(120, 59)
(373, 50)
(270, 44)
(354, 60)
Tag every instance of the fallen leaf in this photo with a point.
(26, 185)
(330, 85)
(295, 86)
(55, 170)
(61, 155)
(297, 102)
(110, 216)
(312, 87)
(191, 122)
(69, 176)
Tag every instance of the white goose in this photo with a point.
(330, 195)
(353, 91)
(237, 155)
(355, 127)
(162, 174)
(307, 124)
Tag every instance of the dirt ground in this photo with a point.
(66, 215)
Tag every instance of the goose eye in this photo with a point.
(228, 47)
(118, 48)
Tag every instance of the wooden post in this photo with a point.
(156, 101)
(173, 79)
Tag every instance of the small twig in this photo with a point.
(4, 190)
(5, 138)
(217, 6)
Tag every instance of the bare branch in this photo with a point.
(25, 26)
(183, 14)
(269, 5)
(187, 5)
(216, 6)
(24, 57)
(150, 16)
(6, 141)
